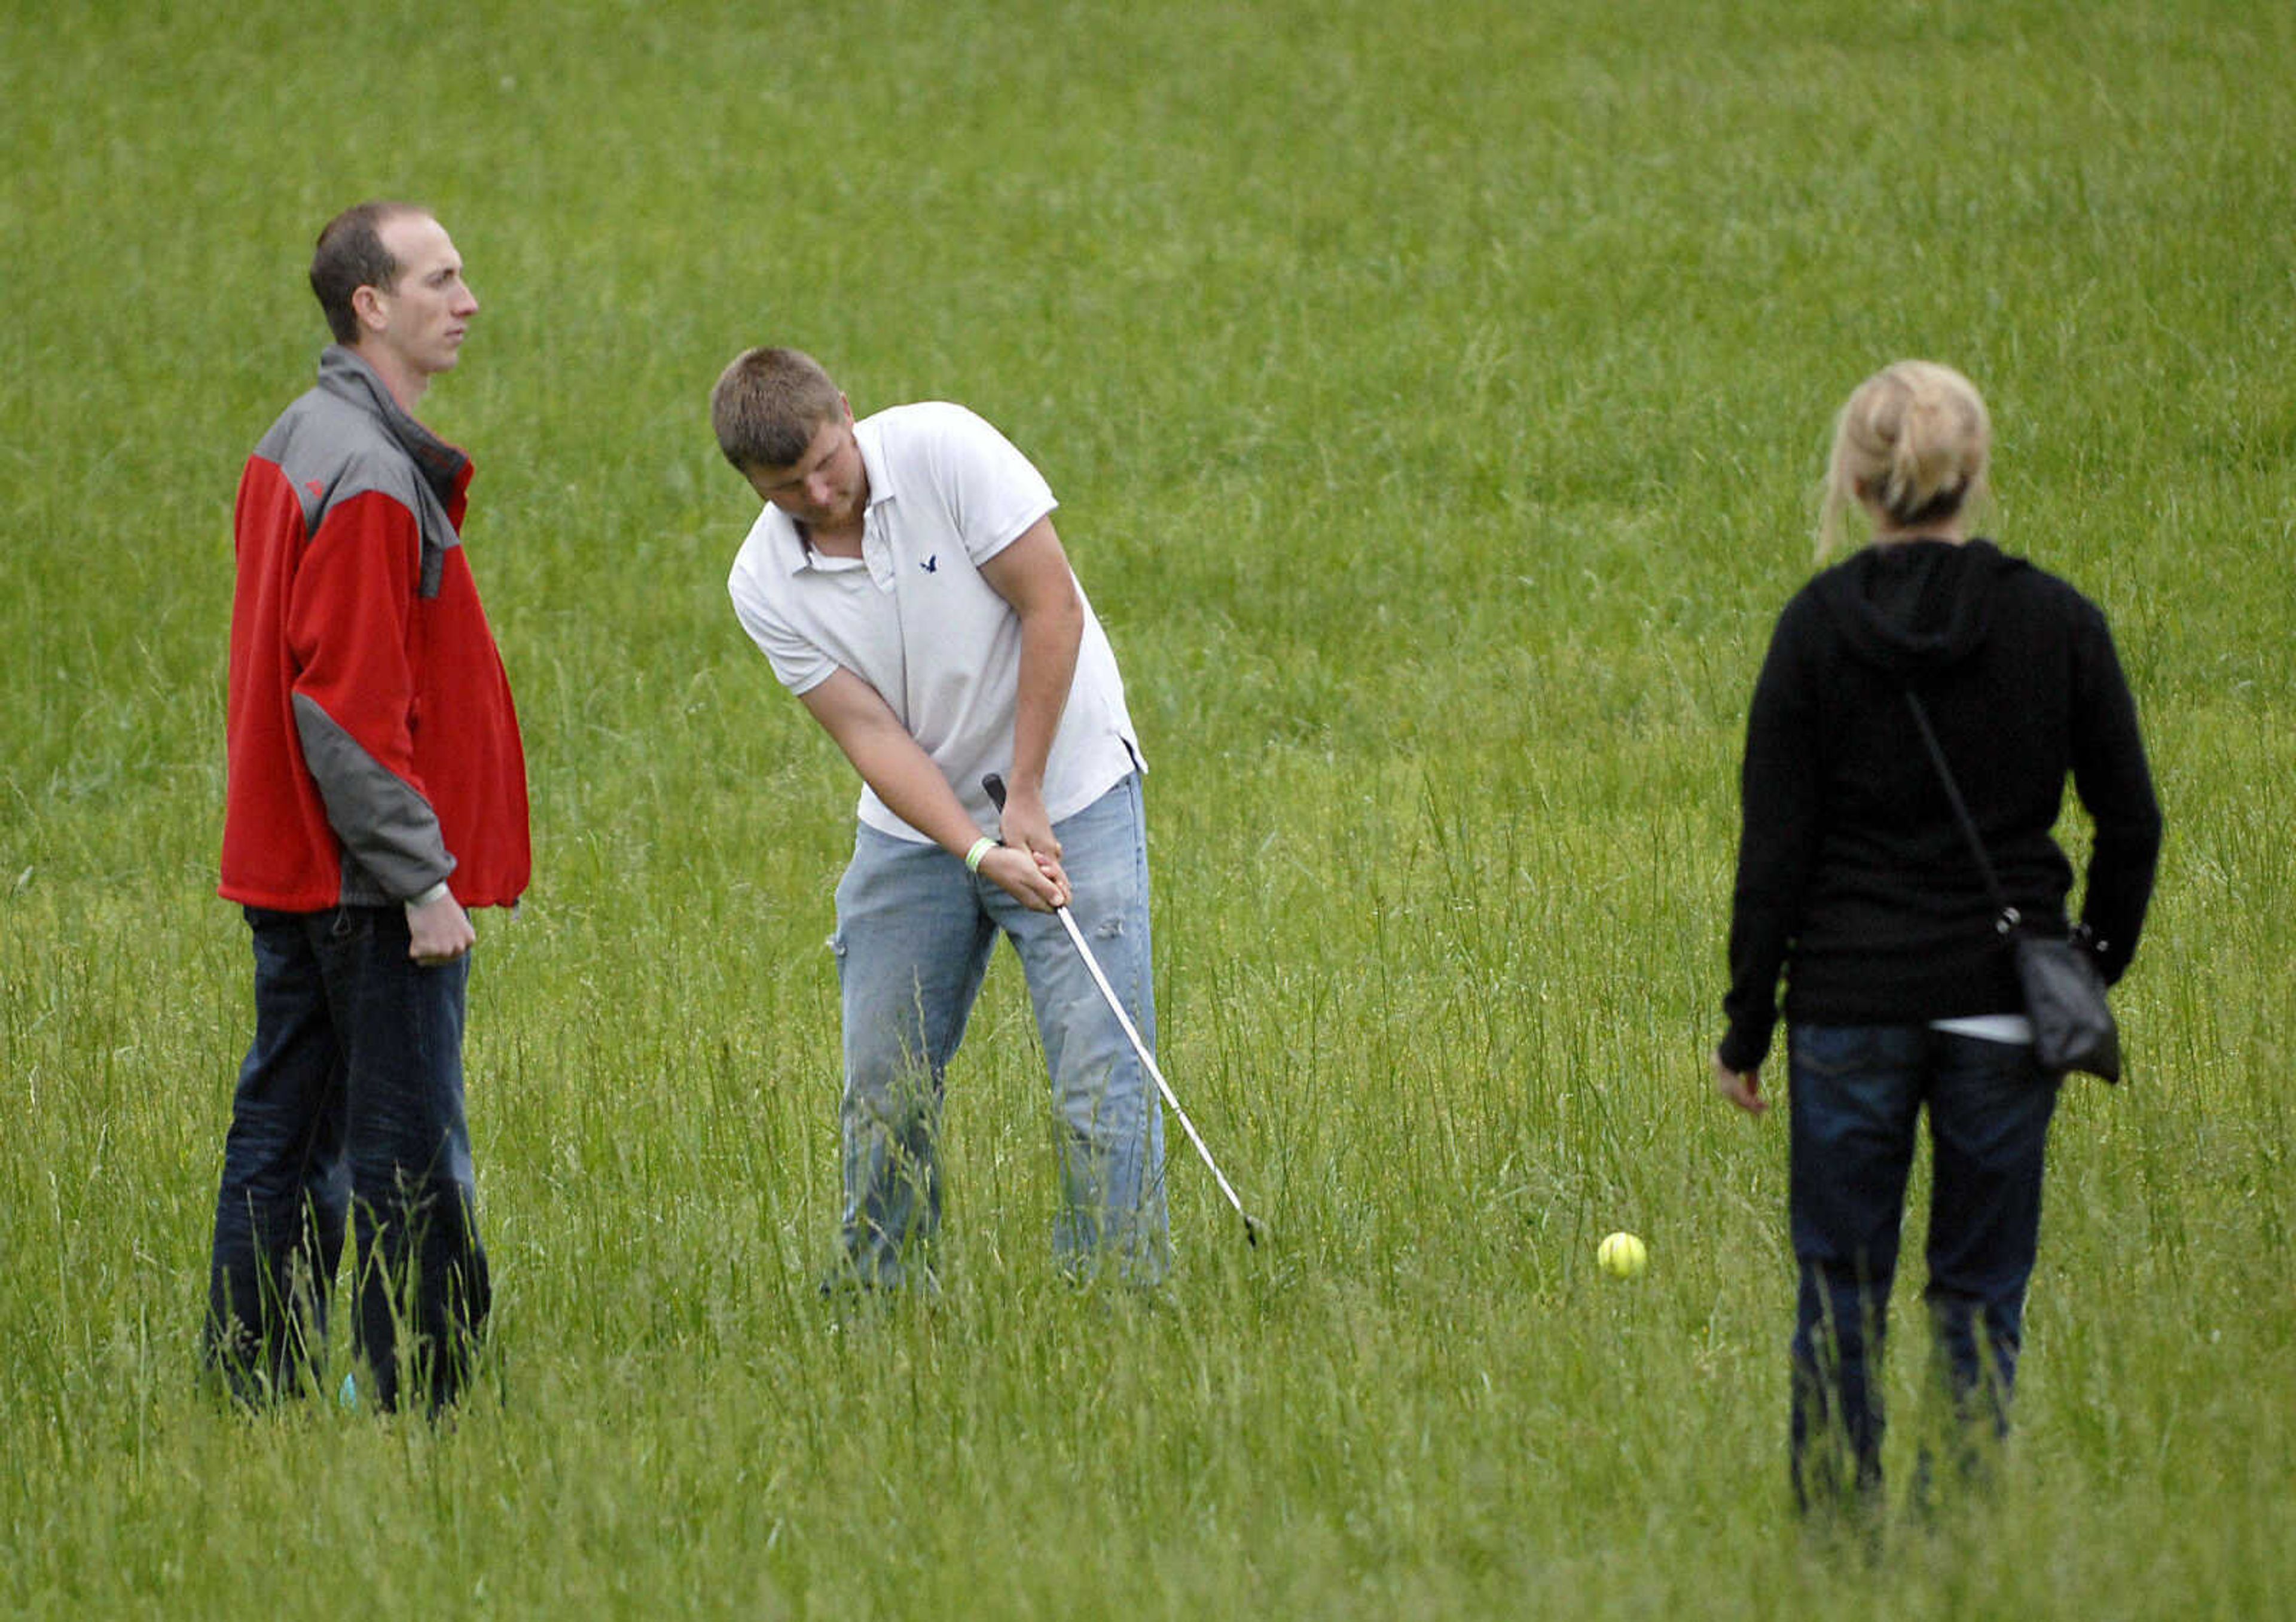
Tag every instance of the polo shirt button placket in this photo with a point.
(877, 552)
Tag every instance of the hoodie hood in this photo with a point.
(1909, 607)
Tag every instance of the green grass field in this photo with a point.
(1436, 394)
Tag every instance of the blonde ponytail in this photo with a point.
(1912, 441)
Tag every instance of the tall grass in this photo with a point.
(1435, 394)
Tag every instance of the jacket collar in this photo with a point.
(444, 467)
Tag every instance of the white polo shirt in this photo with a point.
(915, 619)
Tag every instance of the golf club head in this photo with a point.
(993, 785)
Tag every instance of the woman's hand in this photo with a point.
(1742, 1087)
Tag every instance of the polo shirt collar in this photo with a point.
(868, 435)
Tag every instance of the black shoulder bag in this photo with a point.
(2064, 995)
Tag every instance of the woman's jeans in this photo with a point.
(1856, 1093)
(914, 932)
(349, 1105)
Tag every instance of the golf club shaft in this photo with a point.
(1116, 1007)
(994, 786)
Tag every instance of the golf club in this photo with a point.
(995, 785)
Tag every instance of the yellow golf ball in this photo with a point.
(1622, 1255)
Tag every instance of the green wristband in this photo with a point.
(981, 848)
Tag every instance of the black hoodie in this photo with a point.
(1853, 875)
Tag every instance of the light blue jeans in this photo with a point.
(914, 932)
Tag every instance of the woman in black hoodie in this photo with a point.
(1856, 881)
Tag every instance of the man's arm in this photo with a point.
(353, 697)
(904, 778)
(1033, 575)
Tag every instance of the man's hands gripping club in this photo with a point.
(1031, 852)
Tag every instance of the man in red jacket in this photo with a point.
(376, 793)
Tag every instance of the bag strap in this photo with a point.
(2007, 920)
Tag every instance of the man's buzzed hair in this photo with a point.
(769, 404)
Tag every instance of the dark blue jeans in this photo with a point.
(1856, 1093)
(349, 1105)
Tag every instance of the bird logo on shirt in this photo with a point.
(932, 564)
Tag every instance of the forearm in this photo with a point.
(389, 829)
(1766, 908)
(2119, 890)
(2115, 784)
(2123, 858)
(902, 774)
(1050, 638)
(1758, 942)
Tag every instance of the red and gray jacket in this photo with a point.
(373, 748)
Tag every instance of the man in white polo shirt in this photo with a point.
(906, 583)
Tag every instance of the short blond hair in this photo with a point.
(1914, 440)
(767, 405)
